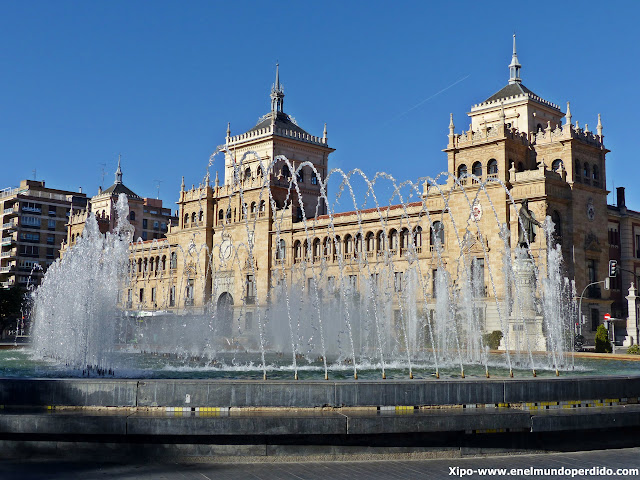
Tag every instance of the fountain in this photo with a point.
(315, 320)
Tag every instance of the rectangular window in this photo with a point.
(141, 296)
(310, 284)
(129, 295)
(52, 211)
(331, 284)
(144, 235)
(397, 281)
(156, 225)
(477, 277)
(144, 223)
(637, 246)
(50, 253)
(30, 237)
(434, 275)
(29, 250)
(251, 290)
(30, 221)
(352, 287)
(51, 239)
(172, 296)
(163, 226)
(248, 321)
(595, 319)
(31, 207)
(153, 294)
(51, 224)
(591, 270)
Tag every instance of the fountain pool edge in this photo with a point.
(196, 393)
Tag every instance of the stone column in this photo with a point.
(632, 319)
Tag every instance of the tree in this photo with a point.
(602, 340)
(10, 305)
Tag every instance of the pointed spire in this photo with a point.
(182, 185)
(514, 66)
(228, 129)
(599, 126)
(217, 180)
(568, 115)
(277, 93)
(503, 117)
(119, 171)
(324, 134)
(451, 125)
(586, 128)
(206, 182)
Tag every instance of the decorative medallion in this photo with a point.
(476, 211)
(591, 210)
(226, 248)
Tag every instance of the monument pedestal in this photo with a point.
(525, 326)
(632, 320)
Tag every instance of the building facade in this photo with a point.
(33, 221)
(149, 219)
(268, 223)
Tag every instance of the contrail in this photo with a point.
(427, 99)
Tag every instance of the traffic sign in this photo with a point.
(607, 316)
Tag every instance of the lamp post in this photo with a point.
(580, 303)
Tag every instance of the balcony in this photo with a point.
(9, 253)
(7, 241)
(7, 284)
(37, 210)
(11, 211)
(7, 269)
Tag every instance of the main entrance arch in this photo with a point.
(225, 314)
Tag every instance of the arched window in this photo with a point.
(326, 246)
(201, 216)
(228, 219)
(173, 262)
(357, 246)
(297, 251)
(186, 220)
(253, 209)
(151, 264)
(300, 176)
(557, 165)
(437, 234)
(338, 245)
(247, 174)
(164, 262)
(380, 241)
(262, 206)
(314, 178)
(477, 169)
(539, 127)
(393, 240)
(595, 174)
(417, 237)
(193, 218)
(259, 172)
(220, 215)
(286, 173)
(139, 265)
(348, 244)
(404, 239)
(157, 263)
(316, 248)
(578, 167)
(462, 171)
(585, 170)
(281, 250)
(492, 167)
(132, 215)
(306, 251)
(557, 226)
(245, 210)
(370, 242)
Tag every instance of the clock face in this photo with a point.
(591, 212)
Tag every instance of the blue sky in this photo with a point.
(158, 81)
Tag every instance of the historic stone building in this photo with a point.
(267, 223)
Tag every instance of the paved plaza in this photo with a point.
(350, 470)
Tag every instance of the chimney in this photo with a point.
(80, 190)
(620, 193)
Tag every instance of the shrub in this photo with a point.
(492, 340)
(602, 340)
(634, 350)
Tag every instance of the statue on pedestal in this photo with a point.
(527, 232)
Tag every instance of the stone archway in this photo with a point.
(225, 314)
